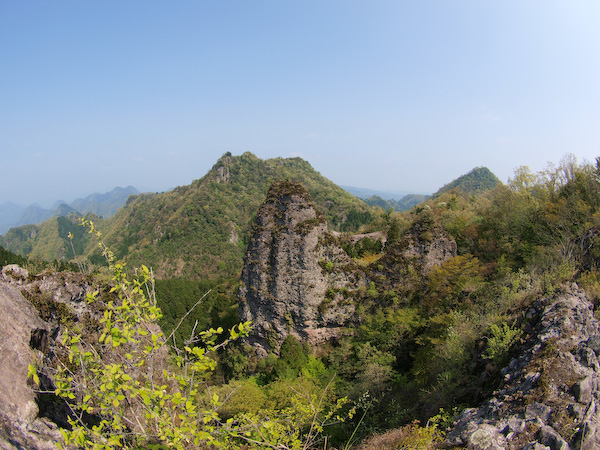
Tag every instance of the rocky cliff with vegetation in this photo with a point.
(291, 263)
(43, 315)
(33, 309)
(550, 391)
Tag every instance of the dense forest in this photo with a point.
(427, 344)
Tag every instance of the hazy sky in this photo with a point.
(393, 95)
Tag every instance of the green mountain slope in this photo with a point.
(478, 180)
(197, 231)
(201, 230)
(49, 240)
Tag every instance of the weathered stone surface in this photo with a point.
(20, 426)
(284, 277)
(550, 437)
(486, 437)
(583, 390)
(14, 274)
(537, 410)
(298, 281)
(549, 395)
(429, 246)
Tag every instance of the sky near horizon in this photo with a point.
(388, 95)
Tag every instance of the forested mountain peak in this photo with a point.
(202, 229)
(479, 179)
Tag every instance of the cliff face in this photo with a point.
(25, 422)
(550, 395)
(298, 281)
(289, 266)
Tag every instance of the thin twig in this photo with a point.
(312, 425)
(187, 314)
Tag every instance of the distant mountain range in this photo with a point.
(404, 204)
(386, 195)
(396, 200)
(103, 205)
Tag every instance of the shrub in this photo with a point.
(501, 340)
(409, 437)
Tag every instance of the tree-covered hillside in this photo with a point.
(196, 231)
(478, 180)
(8, 257)
(49, 241)
(201, 230)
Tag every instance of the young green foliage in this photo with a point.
(122, 390)
(126, 391)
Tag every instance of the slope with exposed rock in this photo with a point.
(38, 311)
(297, 280)
(33, 308)
(550, 394)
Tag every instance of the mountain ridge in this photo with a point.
(198, 230)
(102, 204)
(477, 180)
(365, 193)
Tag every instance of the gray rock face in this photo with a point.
(428, 246)
(289, 267)
(298, 281)
(20, 426)
(550, 395)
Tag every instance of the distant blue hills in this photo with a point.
(104, 205)
(396, 200)
(366, 193)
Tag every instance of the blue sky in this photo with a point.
(392, 95)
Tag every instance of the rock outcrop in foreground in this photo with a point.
(27, 338)
(550, 396)
(36, 310)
